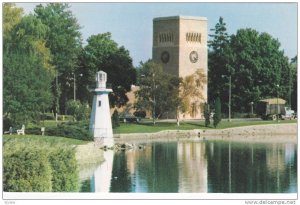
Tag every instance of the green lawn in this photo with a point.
(49, 140)
(148, 127)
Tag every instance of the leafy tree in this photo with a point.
(12, 16)
(64, 40)
(260, 65)
(102, 53)
(191, 92)
(158, 91)
(78, 110)
(217, 60)
(27, 71)
(293, 79)
(217, 115)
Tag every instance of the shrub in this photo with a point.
(69, 130)
(47, 116)
(6, 123)
(33, 130)
(32, 166)
(26, 170)
(140, 113)
(64, 170)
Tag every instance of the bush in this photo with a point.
(33, 130)
(140, 113)
(74, 130)
(70, 130)
(6, 124)
(39, 167)
(47, 116)
(26, 170)
(64, 170)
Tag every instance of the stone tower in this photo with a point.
(180, 45)
(100, 122)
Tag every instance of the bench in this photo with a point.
(21, 131)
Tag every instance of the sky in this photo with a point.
(131, 23)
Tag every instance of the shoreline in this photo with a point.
(256, 133)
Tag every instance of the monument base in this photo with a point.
(104, 141)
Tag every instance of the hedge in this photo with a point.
(38, 167)
(73, 130)
(64, 171)
(27, 170)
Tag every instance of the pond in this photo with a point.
(197, 167)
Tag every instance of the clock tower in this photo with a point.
(180, 45)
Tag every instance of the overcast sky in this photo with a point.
(131, 23)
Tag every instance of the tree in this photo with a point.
(207, 115)
(217, 115)
(217, 60)
(78, 110)
(27, 71)
(102, 53)
(191, 92)
(115, 119)
(158, 91)
(12, 16)
(260, 65)
(64, 40)
(293, 79)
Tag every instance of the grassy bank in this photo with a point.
(34, 163)
(148, 127)
(49, 140)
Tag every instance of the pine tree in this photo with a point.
(115, 119)
(217, 115)
(207, 114)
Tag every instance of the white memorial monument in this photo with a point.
(100, 122)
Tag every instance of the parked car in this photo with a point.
(128, 118)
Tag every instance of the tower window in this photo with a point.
(166, 37)
(99, 103)
(193, 37)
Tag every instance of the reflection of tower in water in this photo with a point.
(102, 175)
(192, 167)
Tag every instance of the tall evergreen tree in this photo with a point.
(217, 115)
(217, 61)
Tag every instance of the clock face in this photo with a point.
(193, 56)
(165, 57)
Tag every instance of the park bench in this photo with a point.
(21, 131)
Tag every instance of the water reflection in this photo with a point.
(192, 167)
(202, 167)
(100, 181)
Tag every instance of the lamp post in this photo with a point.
(75, 84)
(277, 110)
(229, 97)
